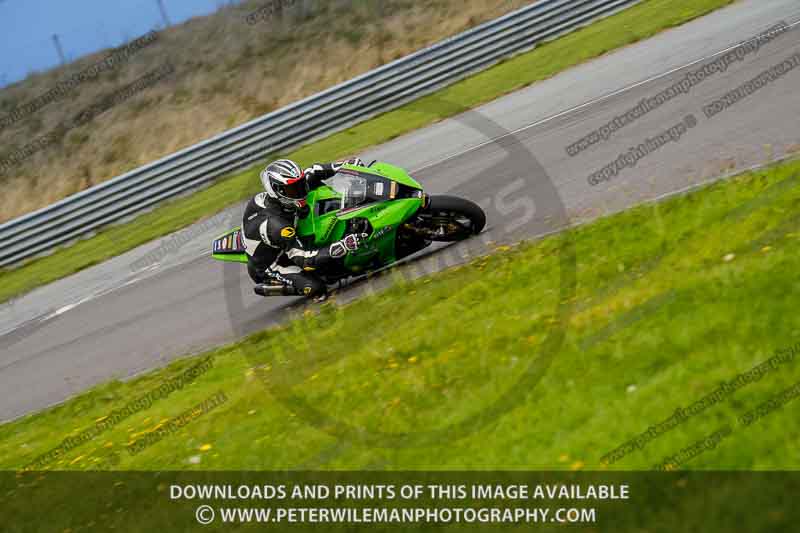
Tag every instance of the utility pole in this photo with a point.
(381, 36)
(59, 50)
(164, 16)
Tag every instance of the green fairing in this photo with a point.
(231, 258)
(385, 217)
(391, 172)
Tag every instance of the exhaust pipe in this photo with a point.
(269, 289)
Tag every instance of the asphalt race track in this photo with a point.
(114, 320)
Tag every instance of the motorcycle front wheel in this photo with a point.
(449, 218)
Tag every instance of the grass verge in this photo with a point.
(639, 22)
(672, 299)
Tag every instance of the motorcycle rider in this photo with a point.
(269, 230)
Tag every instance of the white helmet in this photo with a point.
(284, 181)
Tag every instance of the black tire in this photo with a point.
(453, 211)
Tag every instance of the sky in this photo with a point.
(83, 26)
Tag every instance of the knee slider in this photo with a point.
(313, 287)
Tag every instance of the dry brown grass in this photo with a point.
(227, 72)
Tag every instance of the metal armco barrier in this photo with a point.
(334, 109)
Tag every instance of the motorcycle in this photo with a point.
(379, 200)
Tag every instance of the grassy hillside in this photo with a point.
(671, 299)
(227, 71)
(639, 22)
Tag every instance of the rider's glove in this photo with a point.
(354, 241)
(350, 243)
(316, 169)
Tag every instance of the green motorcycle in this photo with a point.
(380, 200)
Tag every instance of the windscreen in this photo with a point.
(359, 188)
(353, 188)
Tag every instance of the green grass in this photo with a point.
(637, 23)
(670, 299)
